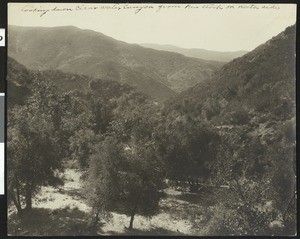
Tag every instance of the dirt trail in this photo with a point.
(66, 196)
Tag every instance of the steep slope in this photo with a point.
(198, 53)
(255, 88)
(250, 102)
(20, 80)
(70, 49)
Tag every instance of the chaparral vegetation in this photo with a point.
(105, 155)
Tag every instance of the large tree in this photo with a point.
(125, 170)
(35, 144)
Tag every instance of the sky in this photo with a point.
(219, 27)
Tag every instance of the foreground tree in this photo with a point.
(125, 172)
(35, 148)
(101, 179)
(141, 183)
(128, 181)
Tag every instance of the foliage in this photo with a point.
(125, 171)
(101, 182)
(249, 84)
(35, 149)
(253, 108)
(260, 177)
(187, 145)
(236, 131)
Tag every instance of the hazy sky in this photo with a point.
(224, 27)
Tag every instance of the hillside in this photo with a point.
(198, 53)
(250, 102)
(259, 86)
(70, 49)
(88, 156)
(20, 80)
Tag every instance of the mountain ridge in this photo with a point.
(73, 50)
(199, 53)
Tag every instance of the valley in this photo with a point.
(111, 138)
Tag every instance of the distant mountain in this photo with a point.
(254, 89)
(69, 49)
(198, 53)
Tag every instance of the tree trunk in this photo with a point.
(28, 199)
(134, 212)
(18, 191)
(132, 216)
(17, 204)
(131, 221)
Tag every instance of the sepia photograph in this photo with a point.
(151, 119)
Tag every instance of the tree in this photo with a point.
(35, 149)
(128, 181)
(189, 143)
(141, 182)
(81, 144)
(125, 170)
(101, 180)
